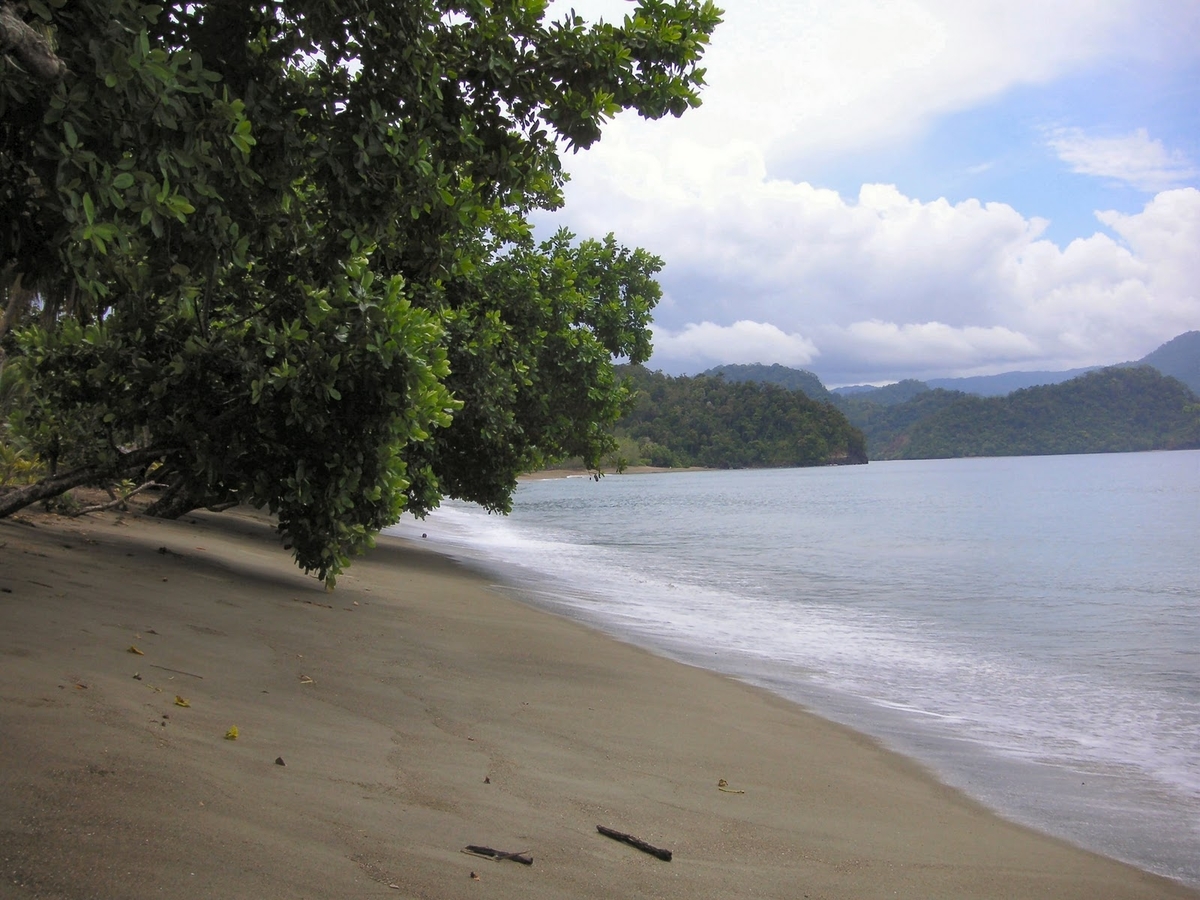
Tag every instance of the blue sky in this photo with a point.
(882, 189)
(1003, 149)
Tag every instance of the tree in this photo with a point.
(279, 252)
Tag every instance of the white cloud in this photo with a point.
(815, 79)
(883, 285)
(742, 342)
(912, 346)
(1134, 159)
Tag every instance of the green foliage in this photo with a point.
(18, 463)
(1108, 411)
(285, 246)
(305, 415)
(705, 421)
(531, 338)
(17, 466)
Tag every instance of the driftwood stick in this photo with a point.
(664, 855)
(523, 856)
(178, 671)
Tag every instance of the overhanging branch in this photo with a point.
(18, 499)
(31, 49)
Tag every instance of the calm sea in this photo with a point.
(1027, 627)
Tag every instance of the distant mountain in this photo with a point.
(1144, 405)
(1179, 358)
(1111, 410)
(789, 379)
(1005, 382)
(893, 394)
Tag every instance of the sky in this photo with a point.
(883, 189)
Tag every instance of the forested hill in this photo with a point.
(708, 421)
(1107, 411)
(758, 415)
(790, 379)
(1179, 358)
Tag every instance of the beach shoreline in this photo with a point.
(416, 710)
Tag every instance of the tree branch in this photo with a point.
(18, 499)
(31, 49)
(116, 501)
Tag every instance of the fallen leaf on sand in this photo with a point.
(179, 701)
(232, 733)
(304, 679)
(133, 649)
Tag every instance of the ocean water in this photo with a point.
(1029, 627)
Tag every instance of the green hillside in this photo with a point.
(1107, 411)
(882, 424)
(1179, 358)
(759, 415)
(784, 377)
(709, 421)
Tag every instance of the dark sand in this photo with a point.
(418, 711)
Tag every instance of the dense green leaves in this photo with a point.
(532, 336)
(286, 245)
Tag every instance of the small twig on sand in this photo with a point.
(522, 856)
(664, 855)
(178, 671)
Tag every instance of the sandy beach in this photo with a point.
(414, 711)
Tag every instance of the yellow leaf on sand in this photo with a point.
(133, 649)
(179, 701)
(232, 733)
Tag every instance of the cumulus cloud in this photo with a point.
(811, 80)
(882, 285)
(1133, 159)
(742, 342)
(911, 346)
(879, 285)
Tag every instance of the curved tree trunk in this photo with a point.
(176, 502)
(56, 485)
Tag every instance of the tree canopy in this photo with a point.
(280, 252)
